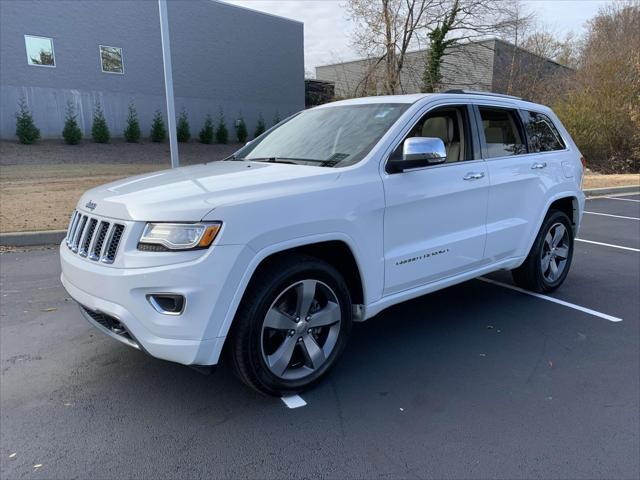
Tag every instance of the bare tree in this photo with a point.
(385, 31)
(528, 72)
(455, 23)
(517, 25)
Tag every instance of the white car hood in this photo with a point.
(189, 193)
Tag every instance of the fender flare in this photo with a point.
(277, 248)
(558, 196)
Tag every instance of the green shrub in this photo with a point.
(158, 130)
(182, 130)
(222, 134)
(71, 132)
(99, 128)
(206, 134)
(26, 130)
(132, 132)
(241, 131)
(260, 127)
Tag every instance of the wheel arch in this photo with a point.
(337, 250)
(567, 202)
(334, 252)
(568, 205)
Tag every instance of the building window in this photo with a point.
(111, 59)
(39, 51)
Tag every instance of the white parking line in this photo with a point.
(608, 245)
(614, 216)
(294, 401)
(595, 313)
(623, 199)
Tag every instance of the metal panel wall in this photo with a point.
(224, 57)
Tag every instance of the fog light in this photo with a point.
(167, 303)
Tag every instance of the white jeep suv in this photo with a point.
(328, 218)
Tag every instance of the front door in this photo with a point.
(434, 223)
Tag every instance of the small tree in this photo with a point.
(26, 130)
(241, 130)
(183, 131)
(276, 118)
(71, 132)
(158, 131)
(206, 134)
(222, 134)
(132, 132)
(99, 128)
(260, 127)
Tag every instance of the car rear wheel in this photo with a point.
(292, 325)
(547, 265)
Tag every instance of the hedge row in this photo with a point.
(28, 133)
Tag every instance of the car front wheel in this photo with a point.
(292, 325)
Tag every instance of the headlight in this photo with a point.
(178, 236)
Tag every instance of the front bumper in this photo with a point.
(208, 281)
(110, 326)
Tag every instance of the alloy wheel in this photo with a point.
(555, 252)
(300, 329)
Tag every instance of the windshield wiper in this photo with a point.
(274, 160)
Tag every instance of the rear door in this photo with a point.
(520, 179)
(434, 221)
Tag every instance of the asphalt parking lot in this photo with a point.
(474, 381)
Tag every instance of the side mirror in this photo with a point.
(420, 152)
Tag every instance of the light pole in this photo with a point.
(168, 82)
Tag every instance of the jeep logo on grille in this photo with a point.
(91, 205)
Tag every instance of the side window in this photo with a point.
(501, 132)
(542, 134)
(451, 125)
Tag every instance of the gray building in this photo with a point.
(224, 57)
(488, 65)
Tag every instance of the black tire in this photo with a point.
(530, 274)
(246, 348)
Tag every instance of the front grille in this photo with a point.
(84, 247)
(94, 238)
(116, 235)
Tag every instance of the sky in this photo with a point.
(327, 28)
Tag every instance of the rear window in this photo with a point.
(542, 134)
(501, 132)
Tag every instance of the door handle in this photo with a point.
(473, 176)
(538, 166)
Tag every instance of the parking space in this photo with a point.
(620, 226)
(477, 380)
(628, 206)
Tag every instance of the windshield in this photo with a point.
(328, 137)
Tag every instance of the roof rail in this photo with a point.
(474, 92)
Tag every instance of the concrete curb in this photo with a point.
(598, 192)
(28, 239)
(53, 237)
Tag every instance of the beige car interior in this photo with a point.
(447, 126)
(501, 135)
